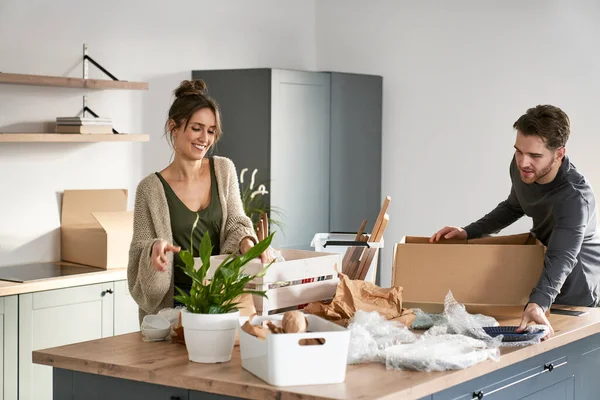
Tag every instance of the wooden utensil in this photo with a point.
(384, 207)
(355, 269)
(349, 255)
(365, 263)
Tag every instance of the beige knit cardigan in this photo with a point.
(151, 289)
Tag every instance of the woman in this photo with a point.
(167, 202)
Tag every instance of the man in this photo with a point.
(549, 189)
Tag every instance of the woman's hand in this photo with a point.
(246, 244)
(159, 254)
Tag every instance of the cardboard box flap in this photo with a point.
(78, 205)
(425, 240)
(518, 239)
(115, 221)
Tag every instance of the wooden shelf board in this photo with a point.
(60, 81)
(71, 137)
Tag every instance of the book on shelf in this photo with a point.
(85, 129)
(83, 121)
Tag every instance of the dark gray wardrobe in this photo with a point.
(315, 138)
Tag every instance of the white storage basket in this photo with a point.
(280, 360)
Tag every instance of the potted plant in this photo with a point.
(211, 317)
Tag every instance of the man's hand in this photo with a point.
(449, 232)
(535, 313)
(159, 254)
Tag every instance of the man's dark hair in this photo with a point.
(548, 122)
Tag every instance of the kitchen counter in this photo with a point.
(163, 363)
(96, 275)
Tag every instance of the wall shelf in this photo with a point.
(59, 81)
(67, 137)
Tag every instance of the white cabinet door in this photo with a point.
(300, 119)
(8, 347)
(126, 310)
(56, 318)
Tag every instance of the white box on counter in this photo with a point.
(304, 277)
(280, 360)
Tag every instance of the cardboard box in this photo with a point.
(498, 270)
(96, 229)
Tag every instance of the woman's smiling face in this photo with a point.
(194, 140)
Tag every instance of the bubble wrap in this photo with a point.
(456, 320)
(370, 334)
(440, 353)
(460, 322)
(456, 340)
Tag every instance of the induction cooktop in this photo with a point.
(38, 271)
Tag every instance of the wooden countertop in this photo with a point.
(128, 357)
(96, 275)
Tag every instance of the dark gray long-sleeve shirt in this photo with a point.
(565, 220)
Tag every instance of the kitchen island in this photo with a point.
(565, 367)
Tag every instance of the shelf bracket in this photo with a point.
(86, 109)
(87, 58)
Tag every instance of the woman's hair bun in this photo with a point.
(194, 87)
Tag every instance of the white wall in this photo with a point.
(457, 74)
(151, 41)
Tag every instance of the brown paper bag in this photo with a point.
(354, 295)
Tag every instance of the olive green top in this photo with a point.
(182, 221)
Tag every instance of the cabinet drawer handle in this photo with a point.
(175, 398)
(547, 368)
(107, 291)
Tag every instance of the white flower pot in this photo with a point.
(209, 338)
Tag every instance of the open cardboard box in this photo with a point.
(96, 228)
(492, 271)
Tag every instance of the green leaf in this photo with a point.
(205, 252)
(187, 258)
(215, 309)
(263, 271)
(182, 297)
(256, 250)
(228, 271)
